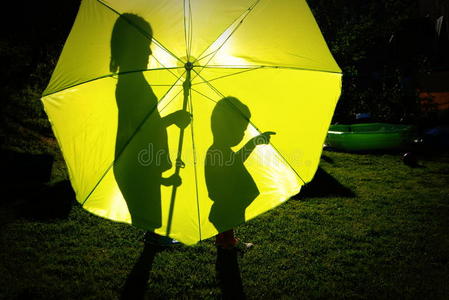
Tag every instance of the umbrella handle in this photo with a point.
(179, 163)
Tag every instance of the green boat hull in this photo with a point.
(369, 137)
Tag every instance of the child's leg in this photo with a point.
(226, 239)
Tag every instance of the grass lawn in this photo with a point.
(367, 227)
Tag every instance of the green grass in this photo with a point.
(390, 239)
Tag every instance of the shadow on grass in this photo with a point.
(25, 167)
(43, 202)
(327, 159)
(324, 185)
(137, 281)
(26, 192)
(228, 274)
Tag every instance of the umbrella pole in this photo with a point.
(179, 163)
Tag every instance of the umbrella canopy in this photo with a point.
(130, 69)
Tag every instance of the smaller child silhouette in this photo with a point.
(229, 183)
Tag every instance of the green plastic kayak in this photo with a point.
(369, 136)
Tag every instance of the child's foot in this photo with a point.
(239, 247)
(242, 246)
(158, 240)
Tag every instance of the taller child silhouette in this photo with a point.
(141, 148)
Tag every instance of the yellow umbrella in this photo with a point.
(243, 69)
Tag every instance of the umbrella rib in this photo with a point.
(243, 16)
(112, 75)
(129, 140)
(228, 75)
(141, 31)
(210, 85)
(186, 39)
(204, 95)
(247, 12)
(174, 97)
(266, 67)
(252, 68)
(190, 28)
(164, 67)
(246, 118)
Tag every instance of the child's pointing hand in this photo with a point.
(263, 138)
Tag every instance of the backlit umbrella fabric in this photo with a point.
(253, 67)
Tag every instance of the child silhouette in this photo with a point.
(140, 128)
(229, 183)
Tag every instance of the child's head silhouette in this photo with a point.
(130, 43)
(229, 121)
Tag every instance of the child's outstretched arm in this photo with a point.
(261, 139)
